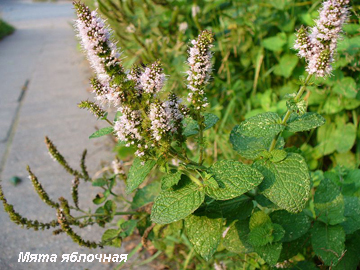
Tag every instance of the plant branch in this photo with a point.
(288, 112)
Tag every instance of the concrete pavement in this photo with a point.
(42, 78)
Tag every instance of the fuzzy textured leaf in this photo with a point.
(204, 234)
(138, 173)
(352, 215)
(251, 147)
(177, 203)
(233, 179)
(236, 237)
(305, 122)
(328, 242)
(262, 125)
(170, 180)
(286, 183)
(269, 253)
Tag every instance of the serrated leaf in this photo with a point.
(138, 173)
(352, 215)
(233, 179)
(261, 235)
(298, 108)
(269, 253)
(251, 147)
(177, 203)
(292, 248)
(286, 183)
(295, 225)
(111, 238)
(278, 155)
(191, 127)
(329, 203)
(204, 234)
(170, 180)
(102, 132)
(258, 219)
(305, 122)
(328, 242)
(145, 195)
(262, 125)
(236, 237)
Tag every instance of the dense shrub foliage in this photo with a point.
(258, 166)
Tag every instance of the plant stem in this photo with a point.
(201, 137)
(288, 112)
(182, 158)
(100, 215)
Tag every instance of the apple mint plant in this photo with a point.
(271, 207)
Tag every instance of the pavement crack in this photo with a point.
(12, 130)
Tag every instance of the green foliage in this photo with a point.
(102, 132)
(286, 183)
(230, 179)
(138, 173)
(191, 127)
(177, 203)
(5, 29)
(305, 122)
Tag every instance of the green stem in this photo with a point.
(182, 158)
(288, 112)
(201, 137)
(107, 120)
(101, 215)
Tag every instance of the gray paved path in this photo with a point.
(43, 53)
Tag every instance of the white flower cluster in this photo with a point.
(318, 47)
(152, 79)
(102, 52)
(105, 94)
(127, 127)
(200, 69)
(165, 117)
(118, 166)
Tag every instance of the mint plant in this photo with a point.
(271, 207)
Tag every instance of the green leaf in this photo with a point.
(110, 208)
(262, 125)
(238, 208)
(346, 87)
(278, 155)
(261, 235)
(99, 182)
(352, 215)
(275, 43)
(286, 65)
(138, 173)
(291, 249)
(346, 136)
(269, 253)
(191, 127)
(251, 147)
(327, 137)
(102, 132)
(258, 219)
(233, 179)
(111, 238)
(101, 197)
(236, 237)
(351, 258)
(298, 108)
(295, 225)
(286, 183)
(177, 203)
(328, 242)
(204, 234)
(145, 195)
(329, 203)
(305, 122)
(278, 232)
(170, 180)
